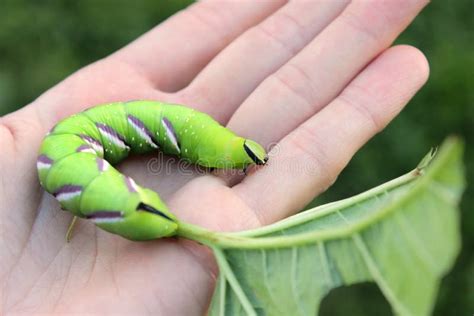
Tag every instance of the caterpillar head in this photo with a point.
(255, 152)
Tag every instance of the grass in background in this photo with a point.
(42, 42)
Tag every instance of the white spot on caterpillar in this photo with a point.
(169, 130)
(67, 196)
(102, 164)
(68, 192)
(97, 146)
(40, 165)
(141, 130)
(111, 136)
(131, 185)
(106, 220)
(44, 162)
(86, 150)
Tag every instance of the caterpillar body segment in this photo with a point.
(76, 158)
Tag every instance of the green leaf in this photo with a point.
(402, 235)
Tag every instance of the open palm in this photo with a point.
(314, 77)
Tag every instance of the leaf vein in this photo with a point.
(226, 270)
(377, 275)
(416, 243)
(294, 275)
(325, 264)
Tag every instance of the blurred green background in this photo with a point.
(41, 42)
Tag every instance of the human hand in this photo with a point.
(315, 78)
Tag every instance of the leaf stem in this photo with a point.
(249, 240)
(326, 209)
(252, 240)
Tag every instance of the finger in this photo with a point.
(258, 53)
(171, 54)
(315, 76)
(311, 157)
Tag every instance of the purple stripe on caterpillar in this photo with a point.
(170, 132)
(105, 216)
(114, 137)
(141, 130)
(85, 149)
(67, 192)
(102, 164)
(131, 185)
(43, 162)
(95, 144)
(51, 130)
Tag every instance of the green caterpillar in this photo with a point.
(75, 157)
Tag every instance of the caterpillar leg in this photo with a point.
(70, 229)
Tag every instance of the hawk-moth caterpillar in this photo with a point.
(75, 159)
